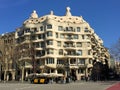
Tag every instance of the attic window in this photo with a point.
(61, 19)
(76, 18)
(42, 18)
(74, 22)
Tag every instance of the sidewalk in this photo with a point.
(114, 87)
(14, 82)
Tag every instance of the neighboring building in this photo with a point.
(58, 44)
(117, 67)
(7, 45)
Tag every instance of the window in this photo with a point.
(41, 28)
(62, 36)
(66, 44)
(42, 44)
(86, 30)
(81, 61)
(78, 29)
(69, 36)
(37, 44)
(60, 52)
(20, 33)
(56, 35)
(59, 61)
(67, 28)
(76, 36)
(70, 28)
(83, 37)
(72, 53)
(41, 36)
(60, 28)
(50, 51)
(49, 33)
(79, 44)
(50, 42)
(27, 30)
(79, 52)
(38, 53)
(33, 37)
(73, 61)
(58, 43)
(34, 30)
(49, 26)
(50, 60)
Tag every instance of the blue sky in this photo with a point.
(102, 15)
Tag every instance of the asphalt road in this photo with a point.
(69, 86)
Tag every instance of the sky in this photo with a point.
(102, 15)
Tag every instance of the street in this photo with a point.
(70, 86)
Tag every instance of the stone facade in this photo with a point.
(7, 45)
(51, 44)
(60, 44)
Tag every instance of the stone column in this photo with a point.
(26, 73)
(86, 67)
(13, 75)
(5, 75)
(22, 74)
(77, 74)
(56, 71)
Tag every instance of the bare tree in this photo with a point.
(115, 50)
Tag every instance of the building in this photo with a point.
(52, 44)
(7, 45)
(58, 44)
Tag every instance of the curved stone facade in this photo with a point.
(58, 44)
